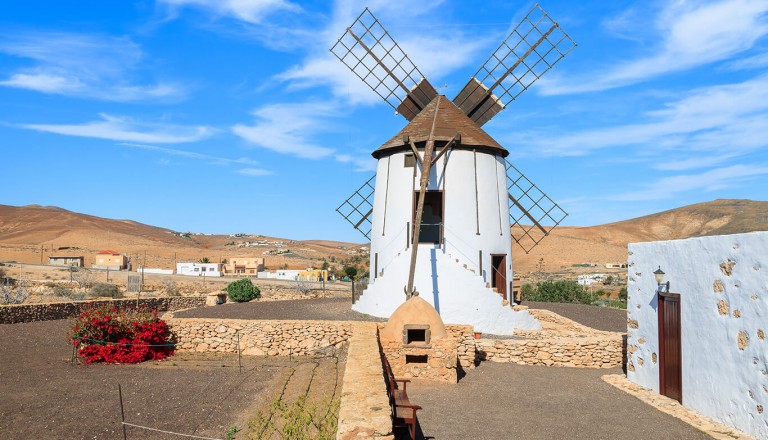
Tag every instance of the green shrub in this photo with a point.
(105, 289)
(62, 291)
(623, 294)
(557, 291)
(242, 291)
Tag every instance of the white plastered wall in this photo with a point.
(459, 293)
(723, 286)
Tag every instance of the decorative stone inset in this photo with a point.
(641, 341)
(726, 267)
(759, 409)
(718, 287)
(743, 340)
(722, 307)
(630, 367)
(760, 334)
(654, 358)
(632, 323)
(737, 313)
(640, 361)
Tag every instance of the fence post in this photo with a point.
(353, 290)
(239, 365)
(122, 412)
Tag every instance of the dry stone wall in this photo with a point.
(259, 338)
(560, 343)
(17, 313)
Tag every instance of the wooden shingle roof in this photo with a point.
(450, 120)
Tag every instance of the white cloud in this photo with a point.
(192, 155)
(289, 129)
(719, 122)
(125, 129)
(362, 163)
(250, 11)
(691, 34)
(256, 172)
(80, 65)
(753, 62)
(708, 181)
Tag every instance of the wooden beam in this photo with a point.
(425, 171)
(527, 214)
(416, 153)
(456, 138)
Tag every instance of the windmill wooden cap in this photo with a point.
(450, 121)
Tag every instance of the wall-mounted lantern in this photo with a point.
(659, 275)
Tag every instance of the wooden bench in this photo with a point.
(402, 409)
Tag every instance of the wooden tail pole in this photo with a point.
(426, 167)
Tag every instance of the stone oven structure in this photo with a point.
(416, 343)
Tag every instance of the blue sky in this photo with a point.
(228, 116)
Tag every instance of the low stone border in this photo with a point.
(561, 342)
(18, 313)
(364, 412)
(675, 409)
(259, 338)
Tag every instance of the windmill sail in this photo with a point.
(358, 207)
(532, 214)
(368, 50)
(529, 51)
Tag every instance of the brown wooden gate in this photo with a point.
(670, 353)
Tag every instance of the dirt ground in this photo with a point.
(599, 318)
(502, 400)
(45, 396)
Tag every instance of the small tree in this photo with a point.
(105, 289)
(351, 271)
(242, 291)
(325, 265)
(204, 260)
(623, 294)
(608, 280)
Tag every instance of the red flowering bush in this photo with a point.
(128, 336)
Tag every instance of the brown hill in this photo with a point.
(29, 234)
(608, 243)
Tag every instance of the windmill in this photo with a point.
(444, 199)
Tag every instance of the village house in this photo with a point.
(66, 260)
(110, 259)
(247, 266)
(199, 269)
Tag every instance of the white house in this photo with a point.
(284, 274)
(702, 340)
(592, 278)
(199, 269)
(464, 260)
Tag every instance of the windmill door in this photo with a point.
(499, 276)
(670, 353)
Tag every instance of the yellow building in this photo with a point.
(247, 266)
(313, 275)
(110, 259)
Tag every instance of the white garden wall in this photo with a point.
(723, 286)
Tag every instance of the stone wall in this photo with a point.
(17, 313)
(560, 343)
(364, 412)
(438, 359)
(259, 338)
(465, 350)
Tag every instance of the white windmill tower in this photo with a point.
(445, 196)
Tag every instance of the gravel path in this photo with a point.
(500, 401)
(599, 318)
(323, 309)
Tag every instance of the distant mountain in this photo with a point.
(608, 243)
(30, 233)
(24, 230)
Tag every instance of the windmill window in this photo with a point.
(410, 160)
(432, 217)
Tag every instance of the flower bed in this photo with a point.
(126, 336)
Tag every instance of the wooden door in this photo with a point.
(670, 353)
(499, 278)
